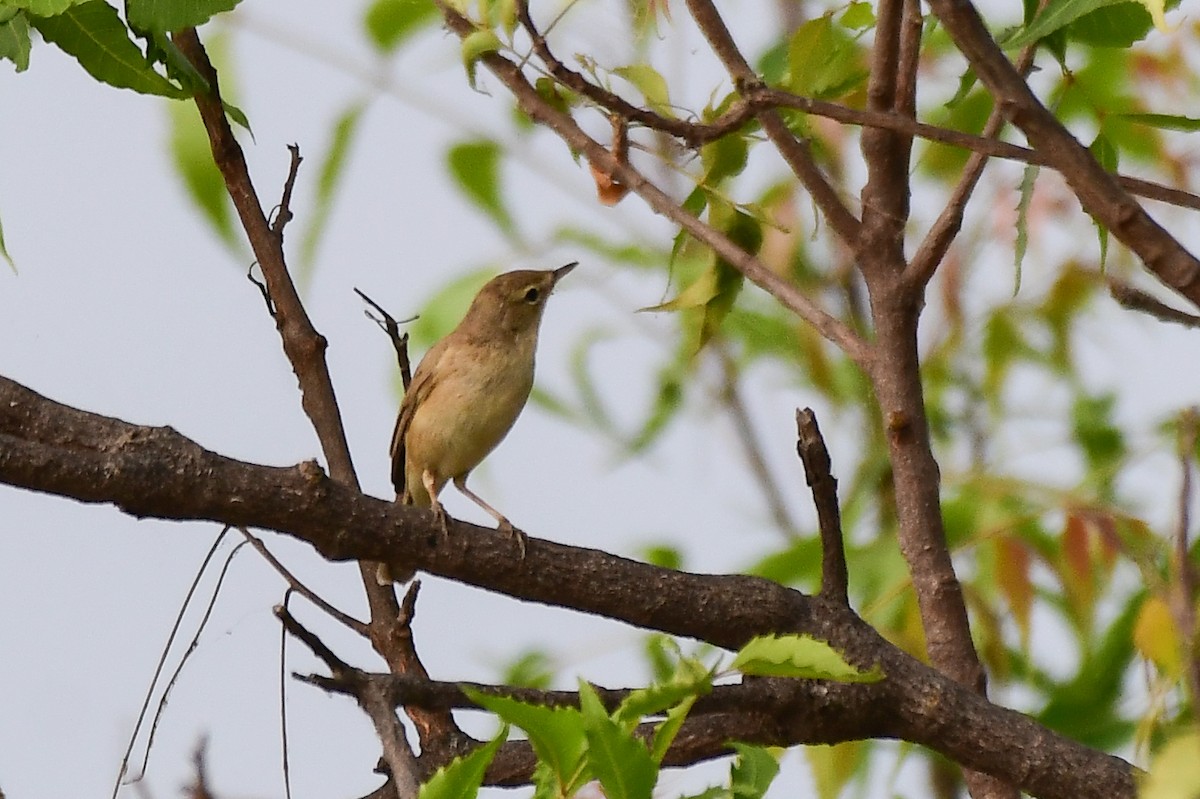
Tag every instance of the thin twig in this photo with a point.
(817, 472)
(187, 654)
(162, 660)
(283, 212)
(932, 249)
(283, 681)
(388, 324)
(1098, 191)
(294, 584)
(787, 293)
(795, 151)
(1137, 300)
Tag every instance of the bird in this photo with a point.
(467, 393)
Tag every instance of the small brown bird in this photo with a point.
(468, 391)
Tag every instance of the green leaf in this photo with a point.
(14, 41)
(664, 733)
(475, 166)
(533, 669)
(823, 60)
(1028, 181)
(647, 80)
(43, 8)
(556, 734)
(1102, 442)
(1164, 121)
(4, 251)
(461, 778)
(1175, 771)
(1057, 14)
(668, 400)
(753, 771)
(1107, 155)
(619, 760)
(390, 22)
(799, 656)
(95, 36)
(1117, 26)
(192, 156)
(858, 16)
(167, 16)
(474, 47)
(446, 308)
(333, 166)
(724, 158)
(833, 767)
(691, 678)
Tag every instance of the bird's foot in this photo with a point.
(439, 513)
(506, 528)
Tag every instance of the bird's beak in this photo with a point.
(562, 271)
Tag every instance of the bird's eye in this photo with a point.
(532, 295)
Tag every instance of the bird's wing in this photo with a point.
(422, 384)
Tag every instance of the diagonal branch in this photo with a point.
(795, 151)
(1099, 192)
(305, 349)
(749, 265)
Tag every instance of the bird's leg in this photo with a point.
(439, 513)
(505, 526)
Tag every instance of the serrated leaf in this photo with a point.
(332, 168)
(650, 82)
(690, 678)
(555, 733)
(474, 47)
(1028, 182)
(800, 656)
(1056, 15)
(753, 771)
(94, 35)
(615, 757)
(475, 166)
(664, 733)
(463, 776)
(167, 16)
(1164, 121)
(390, 22)
(14, 41)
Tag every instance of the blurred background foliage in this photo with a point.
(1067, 509)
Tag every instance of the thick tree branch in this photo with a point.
(1098, 191)
(45, 446)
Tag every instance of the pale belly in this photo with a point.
(460, 422)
